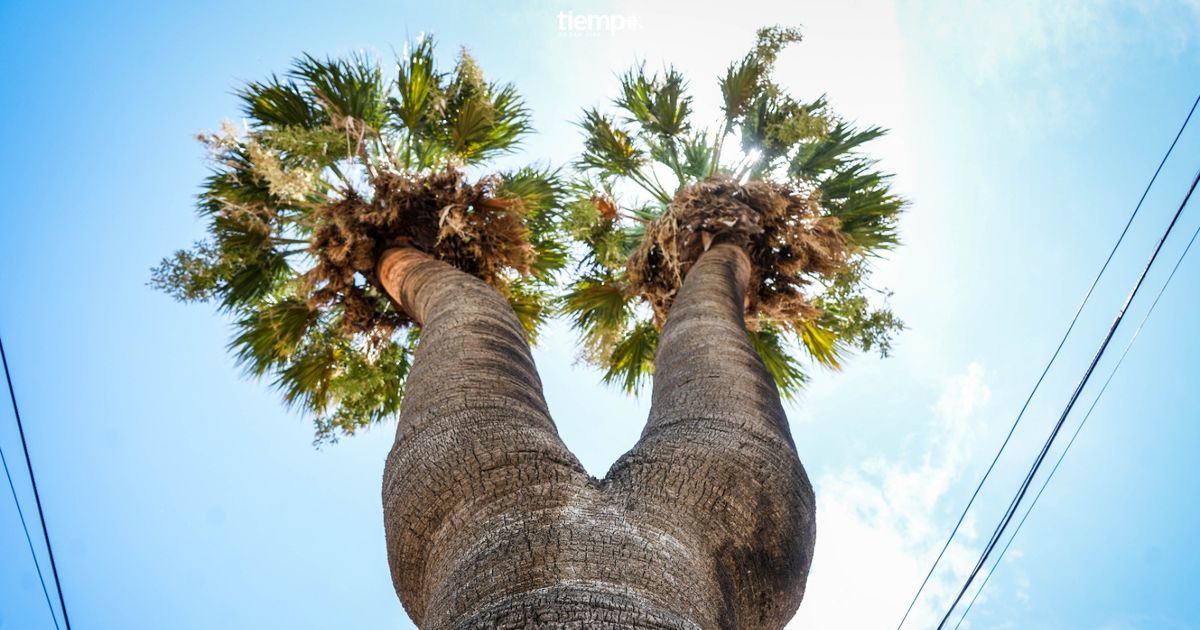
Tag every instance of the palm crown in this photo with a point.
(337, 162)
(810, 209)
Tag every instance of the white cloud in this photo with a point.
(1019, 52)
(1039, 40)
(881, 523)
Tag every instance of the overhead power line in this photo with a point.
(28, 539)
(12, 395)
(1091, 408)
(1053, 357)
(1012, 508)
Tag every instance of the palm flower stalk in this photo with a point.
(338, 162)
(798, 197)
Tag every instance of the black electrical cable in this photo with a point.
(1079, 428)
(37, 499)
(28, 539)
(1012, 508)
(1046, 370)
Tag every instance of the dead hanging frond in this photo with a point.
(780, 226)
(442, 214)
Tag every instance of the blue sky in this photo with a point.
(182, 495)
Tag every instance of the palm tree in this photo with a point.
(799, 198)
(335, 165)
(342, 229)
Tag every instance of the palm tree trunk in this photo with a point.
(475, 448)
(492, 523)
(716, 457)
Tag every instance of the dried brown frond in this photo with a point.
(779, 226)
(606, 206)
(441, 214)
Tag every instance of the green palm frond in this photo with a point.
(775, 124)
(868, 216)
(531, 301)
(550, 254)
(368, 390)
(539, 193)
(749, 78)
(697, 157)
(784, 369)
(659, 105)
(279, 103)
(849, 178)
(481, 119)
(510, 120)
(831, 151)
(632, 361)
(268, 336)
(860, 197)
(607, 240)
(193, 275)
(822, 344)
(599, 309)
(249, 262)
(848, 310)
(469, 126)
(739, 86)
(608, 149)
(539, 189)
(254, 277)
(234, 185)
(344, 88)
(306, 377)
(418, 87)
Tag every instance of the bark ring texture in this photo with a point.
(491, 522)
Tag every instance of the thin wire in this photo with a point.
(1012, 507)
(1053, 357)
(1092, 408)
(25, 526)
(12, 395)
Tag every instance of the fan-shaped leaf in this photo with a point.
(822, 344)
(607, 148)
(658, 104)
(268, 336)
(785, 370)
(278, 103)
(599, 308)
(632, 360)
(345, 88)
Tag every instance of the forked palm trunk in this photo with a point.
(492, 523)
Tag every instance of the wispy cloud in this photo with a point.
(881, 523)
(1020, 52)
(1039, 40)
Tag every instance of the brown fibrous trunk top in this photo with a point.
(779, 226)
(441, 214)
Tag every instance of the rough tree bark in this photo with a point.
(492, 523)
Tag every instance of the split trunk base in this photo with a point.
(708, 522)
